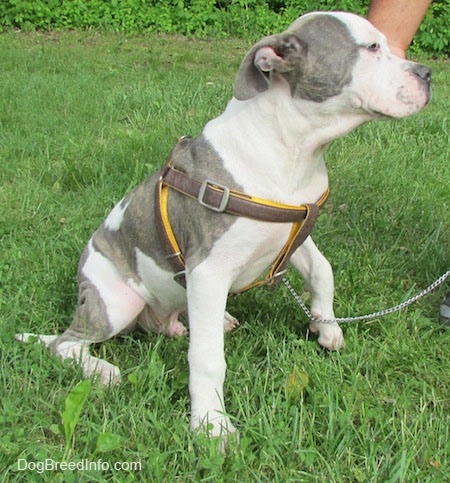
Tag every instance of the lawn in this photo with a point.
(83, 118)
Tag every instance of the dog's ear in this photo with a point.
(277, 53)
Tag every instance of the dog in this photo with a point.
(177, 243)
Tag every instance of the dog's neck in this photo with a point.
(274, 147)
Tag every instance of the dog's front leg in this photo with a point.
(318, 275)
(207, 292)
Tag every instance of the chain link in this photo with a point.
(374, 315)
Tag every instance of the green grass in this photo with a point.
(83, 118)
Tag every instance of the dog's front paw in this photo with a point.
(330, 335)
(222, 442)
(332, 339)
(213, 424)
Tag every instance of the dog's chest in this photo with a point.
(248, 249)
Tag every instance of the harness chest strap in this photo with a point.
(221, 199)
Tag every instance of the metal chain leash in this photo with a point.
(374, 315)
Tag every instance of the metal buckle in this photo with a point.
(172, 255)
(180, 278)
(223, 202)
(275, 278)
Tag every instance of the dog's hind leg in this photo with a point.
(229, 322)
(98, 318)
(318, 275)
(151, 320)
(28, 337)
(171, 325)
(106, 307)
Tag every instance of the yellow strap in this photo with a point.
(164, 197)
(264, 201)
(276, 204)
(296, 227)
(320, 202)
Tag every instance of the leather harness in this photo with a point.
(222, 199)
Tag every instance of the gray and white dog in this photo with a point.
(294, 93)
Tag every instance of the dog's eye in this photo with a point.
(374, 47)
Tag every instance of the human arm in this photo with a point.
(398, 20)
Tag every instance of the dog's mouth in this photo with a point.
(373, 113)
(403, 105)
(366, 105)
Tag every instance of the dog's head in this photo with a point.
(323, 56)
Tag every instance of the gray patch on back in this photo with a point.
(196, 227)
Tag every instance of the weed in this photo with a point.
(74, 404)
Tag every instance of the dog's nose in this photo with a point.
(423, 72)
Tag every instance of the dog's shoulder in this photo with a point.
(197, 227)
(198, 158)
